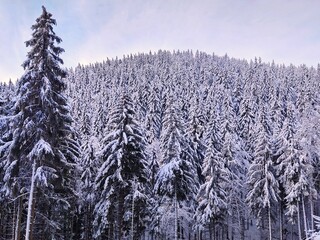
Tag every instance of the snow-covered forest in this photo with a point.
(166, 145)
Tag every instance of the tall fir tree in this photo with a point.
(124, 165)
(41, 159)
(262, 180)
(212, 195)
(6, 208)
(296, 173)
(175, 181)
(87, 194)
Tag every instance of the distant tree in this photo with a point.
(236, 158)
(5, 137)
(296, 172)
(246, 125)
(212, 195)
(175, 180)
(89, 164)
(194, 135)
(262, 182)
(124, 162)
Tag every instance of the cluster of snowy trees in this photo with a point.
(162, 145)
(229, 143)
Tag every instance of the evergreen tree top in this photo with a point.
(44, 54)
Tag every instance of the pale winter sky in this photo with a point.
(286, 31)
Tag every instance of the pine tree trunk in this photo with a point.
(270, 223)
(180, 230)
(311, 214)
(214, 230)
(111, 226)
(132, 219)
(233, 221)
(31, 205)
(18, 221)
(242, 230)
(299, 227)
(1, 222)
(88, 222)
(304, 217)
(241, 223)
(280, 221)
(210, 229)
(13, 220)
(120, 214)
(116, 221)
(176, 212)
(239, 217)
(228, 227)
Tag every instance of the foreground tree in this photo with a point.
(41, 158)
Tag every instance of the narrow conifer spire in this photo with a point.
(43, 152)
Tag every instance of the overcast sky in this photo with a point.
(286, 31)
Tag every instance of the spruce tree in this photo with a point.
(123, 174)
(5, 136)
(212, 195)
(41, 159)
(296, 172)
(262, 181)
(87, 194)
(175, 181)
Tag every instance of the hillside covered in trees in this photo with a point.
(166, 145)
